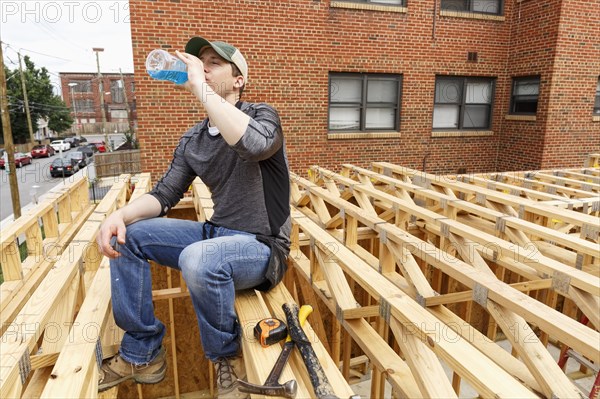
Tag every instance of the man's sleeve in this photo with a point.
(176, 181)
(263, 137)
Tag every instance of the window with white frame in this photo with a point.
(386, 2)
(364, 102)
(463, 103)
(81, 86)
(118, 114)
(597, 101)
(479, 6)
(84, 105)
(524, 97)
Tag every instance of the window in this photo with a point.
(597, 102)
(82, 86)
(463, 103)
(387, 2)
(118, 114)
(478, 6)
(524, 98)
(364, 102)
(116, 91)
(82, 106)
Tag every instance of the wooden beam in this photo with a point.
(525, 286)
(426, 367)
(495, 382)
(336, 281)
(77, 365)
(546, 318)
(20, 339)
(539, 361)
(379, 352)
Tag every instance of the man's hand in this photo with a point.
(196, 83)
(114, 225)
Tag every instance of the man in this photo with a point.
(239, 153)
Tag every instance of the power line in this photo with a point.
(60, 36)
(36, 52)
(11, 60)
(38, 105)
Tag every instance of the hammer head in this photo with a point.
(287, 390)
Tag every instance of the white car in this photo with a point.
(60, 145)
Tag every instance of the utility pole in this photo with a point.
(129, 116)
(8, 142)
(98, 50)
(29, 124)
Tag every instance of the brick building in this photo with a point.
(83, 90)
(444, 85)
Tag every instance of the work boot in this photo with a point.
(116, 370)
(229, 370)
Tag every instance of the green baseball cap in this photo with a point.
(225, 50)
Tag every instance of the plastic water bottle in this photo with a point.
(163, 66)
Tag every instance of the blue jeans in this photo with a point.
(213, 268)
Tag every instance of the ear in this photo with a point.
(239, 82)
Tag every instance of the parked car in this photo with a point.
(88, 149)
(74, 141)
(80, 157)
(60, 145)
(21, 159)
(63, 166)
(100, 145)
(42, 150)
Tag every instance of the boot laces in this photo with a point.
(225, 372)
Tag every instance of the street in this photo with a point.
(33, 180)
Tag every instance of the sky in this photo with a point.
(60, 35)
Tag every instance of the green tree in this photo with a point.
(60, 119)
(43, 103)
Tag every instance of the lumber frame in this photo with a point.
(331, 200)
(21, 337)
(75, 373)
(42, 253)
(516, 197)
(421, 324)
(375, 250)
(498, 214)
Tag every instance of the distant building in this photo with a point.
(81, 93)
(43, 132)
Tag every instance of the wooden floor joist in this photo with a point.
(552, 383)
(409, 273)
(419, 323)
(53, 303)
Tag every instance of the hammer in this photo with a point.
(318, 379)
(272, 387)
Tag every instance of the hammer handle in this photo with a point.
(318, 379)
(275, 373)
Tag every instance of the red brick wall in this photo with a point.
(558, 40)
(291, 46)
(534, 26)
(570, 132)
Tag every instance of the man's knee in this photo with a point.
(137, 233)
(201, 261)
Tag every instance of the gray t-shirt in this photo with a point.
(249, 181)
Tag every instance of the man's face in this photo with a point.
(219, 73)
